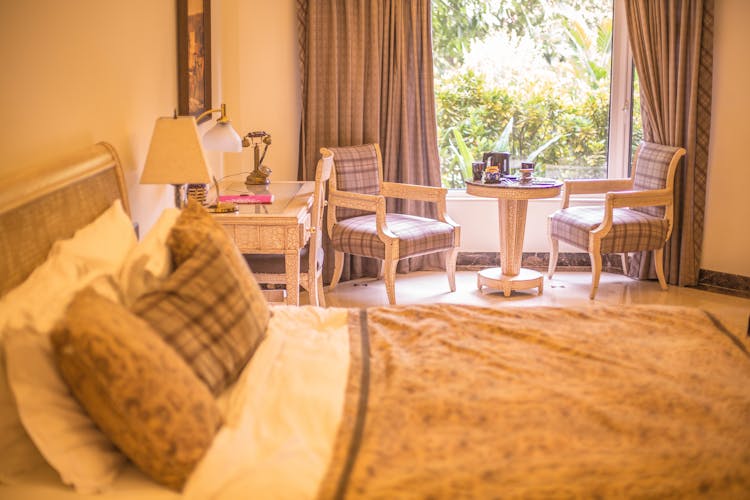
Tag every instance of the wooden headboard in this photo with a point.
(43, 204)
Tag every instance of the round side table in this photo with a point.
(512, 201)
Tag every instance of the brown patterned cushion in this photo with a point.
(651, 172)
(205, 312)
(356, 171)
(631, 230)
(417, 235)
(135, 388)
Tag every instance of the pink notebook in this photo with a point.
(244, 199)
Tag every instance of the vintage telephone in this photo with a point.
(260, 173)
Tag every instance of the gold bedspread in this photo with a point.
(471, 402)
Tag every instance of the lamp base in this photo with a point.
(180, 195)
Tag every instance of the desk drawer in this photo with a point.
(268, 239)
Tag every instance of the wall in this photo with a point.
(726, 243)
(82, 71)
(260, 79)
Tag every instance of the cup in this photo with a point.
(527, 170)
(477, 169)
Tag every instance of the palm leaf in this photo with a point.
(463, 153)
(532, 156)
(503, 143)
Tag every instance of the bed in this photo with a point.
(429, 401)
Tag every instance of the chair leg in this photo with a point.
(554, 246)
(624, 257)
(390, 279)
(338, 268)
(321, 295)
(450, 267)
(381, 265)
(659, 265)
(596, 272)
(312, 289)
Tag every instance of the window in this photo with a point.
(549, 81)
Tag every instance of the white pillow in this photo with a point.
(94, 255)
(61, 429)
(150, 262)
(97, 249)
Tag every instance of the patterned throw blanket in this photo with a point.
(447, 401)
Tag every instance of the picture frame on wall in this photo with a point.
(194, 57)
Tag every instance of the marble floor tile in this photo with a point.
(564, 290)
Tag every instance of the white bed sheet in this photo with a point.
(284, 411)
(281, 418)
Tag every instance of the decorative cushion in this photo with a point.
(356, 171)
(651, 172)
(194, 226)
(417, 235)
(136, 388)
(207, 312)
(631, 231)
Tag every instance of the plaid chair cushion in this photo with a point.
(651, 172)
(356, 171)
(417, 235)
(631, 230)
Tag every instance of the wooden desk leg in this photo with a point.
(291, 261)
(512, 215)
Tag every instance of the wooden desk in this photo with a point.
(282, 227)
(512, 200)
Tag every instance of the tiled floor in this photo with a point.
(564, 290)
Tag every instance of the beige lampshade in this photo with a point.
(176, 155)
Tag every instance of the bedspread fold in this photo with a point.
(454, 401)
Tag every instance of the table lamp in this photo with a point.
(176, 154)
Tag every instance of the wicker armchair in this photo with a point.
(359, 225)
(636, 216)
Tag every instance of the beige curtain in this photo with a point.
(367, 77)
(672, 42)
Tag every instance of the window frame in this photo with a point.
(620, 97)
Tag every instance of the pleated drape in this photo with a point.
(672, 42)
(367, 77)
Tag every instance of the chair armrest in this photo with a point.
(593, 186)
(369, 202)
(647, 198)
(349, 199)
(431, 194)
(413, 192)
(620, 199)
